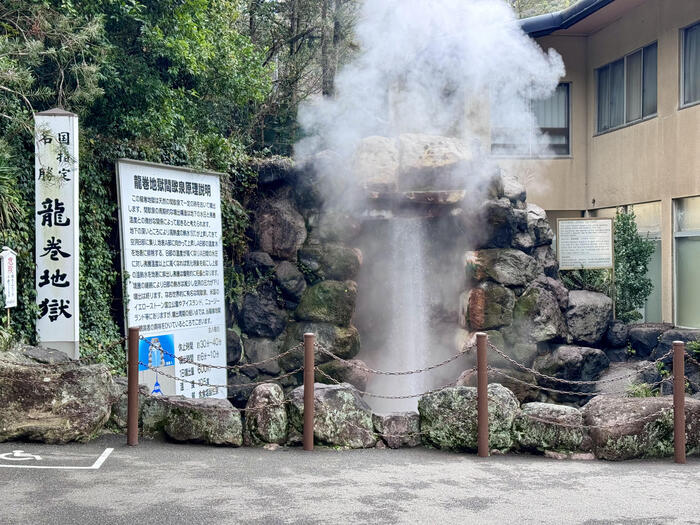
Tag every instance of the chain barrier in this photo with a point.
(646, 418)
(465, 351)
(572, 381)
(692, 359)
(693, 383)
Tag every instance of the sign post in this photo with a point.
(8, 262)
(587, 244)
(172, 265)
(56, 222)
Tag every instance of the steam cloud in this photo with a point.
(436, 67)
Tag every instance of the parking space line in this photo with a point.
(96, 465)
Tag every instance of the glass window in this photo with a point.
(687, 277)
(627, 89)
(648, 219)
(691, 64)
(553, 118)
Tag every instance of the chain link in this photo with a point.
(465, 351)
(649, 417)
(692, 359)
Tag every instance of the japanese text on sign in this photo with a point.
(585, 243)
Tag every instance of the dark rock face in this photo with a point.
(259, 349)
(557, 289)
(338, 227)
(345, 373)
(506, 266)
(328, 302)
(645, 337)
(265, 416)
(576, 363)
(341, 417)
(52, 403)
(537, 315)
(639, 427)
(549, 266)
(544, 426)
(260, 315)
(210, 421)
(667, 338)
(234, 347)
(118, 418)
(273, 170)
(490, 305)
(538, 225)
(342, 341)
(258, 262)
(501, 223)
(617, 334)
(290, 280)
(448, 417)
(399, 429)
(279, 228)
(588, 316)
(331, 261)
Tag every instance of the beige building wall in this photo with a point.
(657, 159)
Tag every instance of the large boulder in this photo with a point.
(259, 263)
(259, 349)
(52, 403)
(573, 363)
(547, 261)
(489, 305)
(588, 316)
(667, 338)
(328, 302)
(279, 228)
(537, 317)
(505, 266)
(429, 162)
(556, 288)
(538, 225)
(633, 427)
(500, 222)
(331, 261)
(210, 421)
(644, 337)
(120, 407)
(376, 164)
(337, 227)
(617, 335)
(265, 416)
(629, 376)
(545, 426)
(341, 417)
(273, 170)
(448, 417)
(260, 314)
(352, 371)
(523, 384)
(290, 280)
(398, 429)
(342, 341)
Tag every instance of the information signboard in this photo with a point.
(8, 260)
(172, 261)
(585, 243)
(56, 222)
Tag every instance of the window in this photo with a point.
(553, 118)
(687, 254)
(690, 85)
(627, 89)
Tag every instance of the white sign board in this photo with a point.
(172, 261)
(8, 260)
(56, 222)
(585, 243)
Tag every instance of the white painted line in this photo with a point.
(96, 465)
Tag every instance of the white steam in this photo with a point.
(440, 67)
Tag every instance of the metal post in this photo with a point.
(482, 400)
(309, 369)
(132, 410)
(679, 401)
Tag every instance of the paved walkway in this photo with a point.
(163, 483)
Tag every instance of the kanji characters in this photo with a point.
(57, 279)
(52, 213)
(54, 308)
(53, 249)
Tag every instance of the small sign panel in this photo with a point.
(9, 277)
(56, 221)
(172, 260)
(585, 244)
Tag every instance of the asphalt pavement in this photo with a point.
(166, 483)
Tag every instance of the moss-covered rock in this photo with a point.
(344, 372)
(490, 305)
(330, 261)
(399, 429)
(343, 341)
(505, 266)
(328, 302)
(341, 417)
(544, 426)
(448, 417)
(265, 416)
(632, 427)
(537, 317)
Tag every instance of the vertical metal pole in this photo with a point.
(132, 410)
(679, 401)
(309, 369)
(482, 400)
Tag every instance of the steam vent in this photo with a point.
(398, 269)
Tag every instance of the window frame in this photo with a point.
(679, 234)
(550, 155)
(681, 62)
(626, 122)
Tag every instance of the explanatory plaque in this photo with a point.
(585, 243)
(173, 268)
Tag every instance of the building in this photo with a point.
(624, 126)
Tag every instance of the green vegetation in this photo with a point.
(632, 255)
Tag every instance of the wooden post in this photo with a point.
(309, 372)
(482, 400)
(132, 410)
(679, 401)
